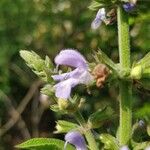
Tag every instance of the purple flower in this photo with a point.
(124, 148)
(147, 148)
(100, 17)
(128, 7)
(80, 75)
(76, 139)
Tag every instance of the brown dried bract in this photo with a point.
(100, 74)
(111, 17)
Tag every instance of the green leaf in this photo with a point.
(145, 61)
(33, 60)
(48, 62)
(148, 129)
(42, 68)
(105, 1)
(145, 82)
(143, 111)
(141, 146)
(109, 141)
(65, 126)
(101, 57)
(48, 90)
(95, 5)
(44, 143)
(146, 73)
(97, 119)
(56, 108)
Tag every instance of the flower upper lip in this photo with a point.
(71, 58)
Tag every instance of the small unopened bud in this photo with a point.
(100, 17)
(65, 126)
(128, 7)
(63, 104)
(82, 102)
(58, 128)
(141, 123)
(67, 106)
(136, 72)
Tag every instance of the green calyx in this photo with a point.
(141, 69)
(70, 105)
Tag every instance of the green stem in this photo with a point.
(125, 86)
(88, 134)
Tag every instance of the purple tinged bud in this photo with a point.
(141, 123)
(128, 7)
(124, 148)
(76, 139)
(100, 17)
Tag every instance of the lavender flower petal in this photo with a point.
(124, 148)
(96, 23)
(78, 76)
(147, 148)
(75, 73)
(85, 78)
(75, 138)
(128, 7)
(71, 58)
(63, 88)
(100, 16)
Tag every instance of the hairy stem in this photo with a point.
(88, 134)
(125, 86)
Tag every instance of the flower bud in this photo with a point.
(136, 72)
(128, 7)
(75, 138)
(65, 126)
(141, 123)
(63, 104)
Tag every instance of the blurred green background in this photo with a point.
(48, 26)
